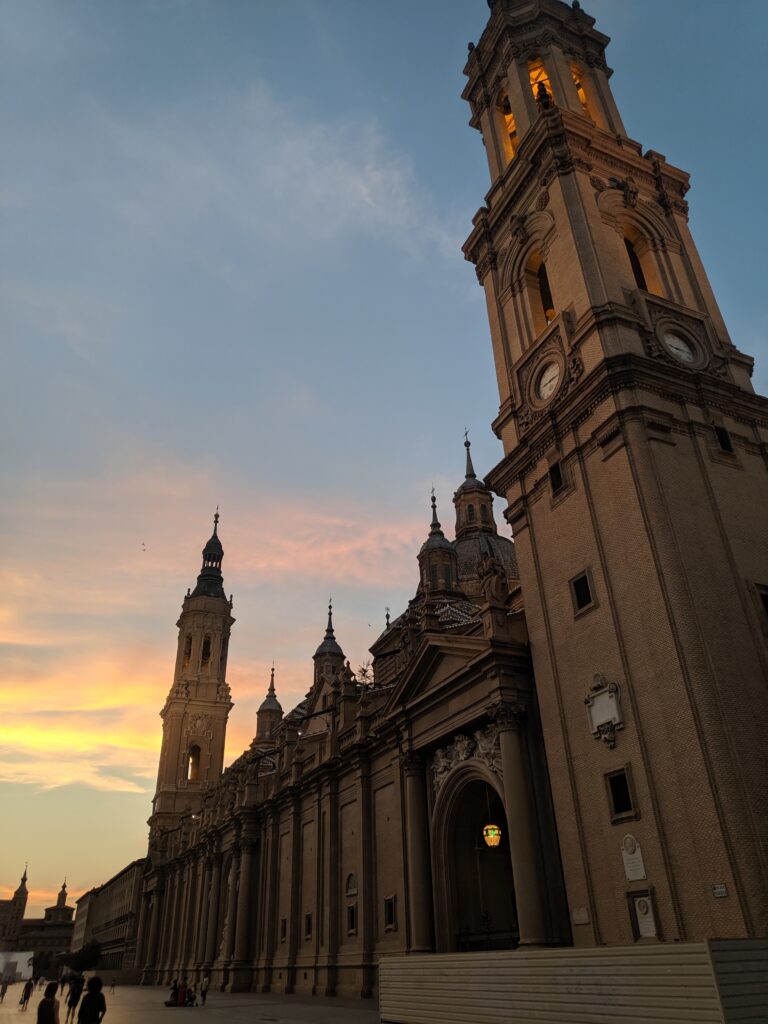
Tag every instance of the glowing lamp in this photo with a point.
(492, 835)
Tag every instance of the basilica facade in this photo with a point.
(562, 742)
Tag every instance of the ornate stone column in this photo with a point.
(229, 938)
(242, 971)
(150, 964)
(141, 938)
(213, 909)
(205, 900)
(522, 833)
(417, 848)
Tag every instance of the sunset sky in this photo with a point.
(231, 274)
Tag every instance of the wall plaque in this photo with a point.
(646, 921)
(719, 890)
(632, 855)
(604, 715)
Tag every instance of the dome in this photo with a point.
(473, 549)
(329, 645)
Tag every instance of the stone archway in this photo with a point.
(474, 887)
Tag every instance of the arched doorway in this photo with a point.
(475, 892)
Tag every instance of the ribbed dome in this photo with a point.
(474, 548)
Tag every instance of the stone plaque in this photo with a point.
(720, 890)
(632, 855)
(646, 922)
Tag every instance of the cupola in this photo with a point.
(437, 560)
(474, 502)
(270, 713)
(210, 582)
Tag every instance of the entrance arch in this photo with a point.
(474, 887)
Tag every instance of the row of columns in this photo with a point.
(183, 926)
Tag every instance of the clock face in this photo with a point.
(549, 378)
(679, 347)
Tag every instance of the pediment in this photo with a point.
(436, 664)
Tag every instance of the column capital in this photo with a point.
(411, 762)
(507, 714)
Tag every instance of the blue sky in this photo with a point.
(231, 274)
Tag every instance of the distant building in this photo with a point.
(45, 936)
(107, 914)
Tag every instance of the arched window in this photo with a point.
(470, 513)
(193, 763)
(578, 81)
(205, 657)
(542, 305)
(540, 83)
(350, 888)
(448, 577)
(484, 513)
(637, 267)
(642, 261)
(505, 120)
(187, 651)
(223, 655)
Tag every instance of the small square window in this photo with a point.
(724, 440)
(621, 799)
(283, 928)
(390, 913)
(307, 926)
(556, 480)
(582, 592)
(352, 919)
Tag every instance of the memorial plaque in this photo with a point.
(719, 890)
(579, 915)
(646, 922)
(632, 855)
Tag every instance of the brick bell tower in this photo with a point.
(636, 477)
(196, 711)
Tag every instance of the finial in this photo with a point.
(470, 471)
(216, 522)
(435, 528)
(386, 615)
(329, 628)
(271, 691)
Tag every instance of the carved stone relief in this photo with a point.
(483, 745)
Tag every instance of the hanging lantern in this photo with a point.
(492, 835)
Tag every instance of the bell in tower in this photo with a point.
(636, 480)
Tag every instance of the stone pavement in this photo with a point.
(134, 1005)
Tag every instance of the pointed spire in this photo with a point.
(22, 889)
(270, 702)
(470, 473)
(329, 644)
(271, 690)
(435, 525)
(216, 522)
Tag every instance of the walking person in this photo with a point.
(93, 1005)
(112, 986)
(75, 991)
(26, 992)
(204, 989)
(62, 982)
(3, 989)
(48, 1007)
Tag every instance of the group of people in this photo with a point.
(185, 994)
(90, 1009)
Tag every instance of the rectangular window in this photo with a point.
(352, 919)
(724, 440)
(390, 916)
(307, 926)
(283, 928)
(582, 592)
(556, 480)
(621, 799)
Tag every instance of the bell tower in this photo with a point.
(197, 708)
(636, 476)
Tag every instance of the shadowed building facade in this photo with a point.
(563, 740)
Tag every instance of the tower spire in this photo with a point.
(435, 528)
(470, 472)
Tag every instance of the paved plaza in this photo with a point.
(133, 1005)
